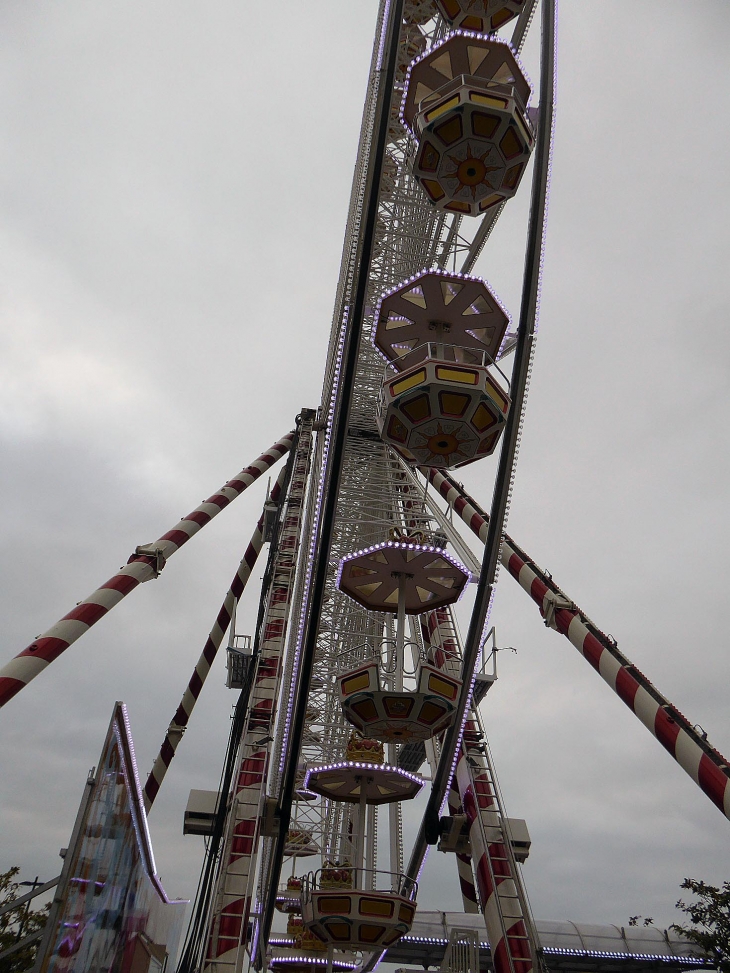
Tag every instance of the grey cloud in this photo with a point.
(173, 190)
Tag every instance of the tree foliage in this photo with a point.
(16, 924)
(710, 918)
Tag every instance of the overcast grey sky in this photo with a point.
(174, 179)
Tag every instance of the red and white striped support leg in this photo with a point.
(463, 862)
(440, 635)
(229, 920)
(180, 720)
(501, 897)
(443, 651)
(705, 765)
(499, 887)
(145, 563)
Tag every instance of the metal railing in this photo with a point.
(500, 88)
(344, 878)
(440, 352)
(437, 351)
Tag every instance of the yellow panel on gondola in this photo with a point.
(430, 430)
(468, 159)
(480, 15)
(367, 917)
(399, 717)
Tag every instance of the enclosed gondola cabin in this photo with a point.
(403, 578)
(440, 412)
(466, 104)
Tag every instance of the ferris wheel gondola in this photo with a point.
(356, 675)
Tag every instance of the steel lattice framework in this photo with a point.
(377, 495)
(343, 490)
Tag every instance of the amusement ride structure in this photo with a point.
(356, 685)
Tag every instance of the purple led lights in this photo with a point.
(307, 959)
(405, 546)
(314, 530)
(383, 32)
(434, 272)
(362, 765)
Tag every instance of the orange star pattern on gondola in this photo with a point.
(472, 171)
(442, 444)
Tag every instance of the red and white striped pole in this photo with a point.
(229, 921)
(146, 562)
(439, 636)
(499, 887)
(704, 764)
(463, 862)
(438, 633)
(204, 663)
(501, 898)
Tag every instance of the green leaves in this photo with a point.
(710, 916)
(16, 924)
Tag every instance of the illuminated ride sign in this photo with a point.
(111, 912)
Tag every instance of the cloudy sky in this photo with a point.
(174, 179)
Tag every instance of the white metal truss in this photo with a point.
(231, 905)
(377, 494)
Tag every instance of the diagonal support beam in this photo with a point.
(228, 928)
(463, 861)
(146, 563)
(223, 620)
(705, 765)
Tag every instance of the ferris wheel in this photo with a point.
(356, 678)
